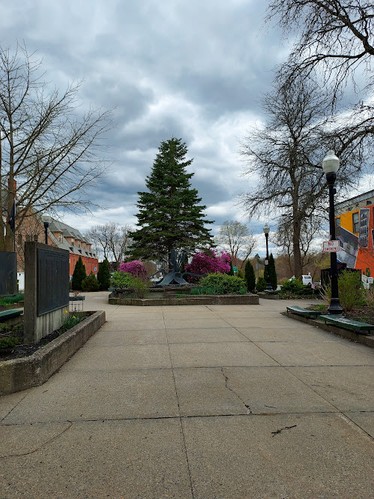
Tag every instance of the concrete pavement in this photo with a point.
(196, 402)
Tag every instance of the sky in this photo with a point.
(191, 69)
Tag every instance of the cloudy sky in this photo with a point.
(193, 69)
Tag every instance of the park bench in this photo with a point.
(304, 312)
(10, 313)
(343, 322)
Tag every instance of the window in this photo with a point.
(356, 222)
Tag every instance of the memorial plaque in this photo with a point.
(53, 280)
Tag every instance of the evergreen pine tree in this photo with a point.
(78, 275)
(249, 276)
(103, 276)
(170, 216)
(272, 274)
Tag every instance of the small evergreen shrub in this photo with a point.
(90, 283)
(220, 284)
(78, 275)
(249, 276)
(103, 276)
(295, 288)
(261, 284)
(120, 280)
(272, 274)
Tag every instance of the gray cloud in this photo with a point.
(194, 70)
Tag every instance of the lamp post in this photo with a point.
(330, 166)
(266, 272)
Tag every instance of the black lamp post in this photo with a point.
(266, 232)
(46, 225)
(330, 166)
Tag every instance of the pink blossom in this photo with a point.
(209, 263)
(135, 268)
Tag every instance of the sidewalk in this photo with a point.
(196, 402)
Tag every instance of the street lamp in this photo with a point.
(266, 272)
(330, 166)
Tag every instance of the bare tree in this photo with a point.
(310, 230)
(237, 238)
(47, 148)
(112, 239)
(287, 153)
(336, 36)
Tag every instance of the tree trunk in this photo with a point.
(297, 259)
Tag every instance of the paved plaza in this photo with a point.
(196, 402)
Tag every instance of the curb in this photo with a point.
(34, 370)
(189, 300)
(364, 339)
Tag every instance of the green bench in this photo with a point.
(343, 322)
(10, 313)
(304, 312)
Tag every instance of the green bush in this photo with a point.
(10, 299)
(103, 276)
(8, 342)
(90, 283)
(292, 288)
(124, 281)
(78, 275)
(261, 284)
(272, 274)
(351, 291)
(71, 321)
(120, 280)
(220, 284)
(250, 277)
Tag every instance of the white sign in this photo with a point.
(330, 246)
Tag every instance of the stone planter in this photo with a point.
(33, 370)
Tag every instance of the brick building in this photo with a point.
(59, 235)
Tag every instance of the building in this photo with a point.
(59, 235)
(355, 231)
(65, 237)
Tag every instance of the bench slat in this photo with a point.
(295, 309)
(347, 323)
(10, 313)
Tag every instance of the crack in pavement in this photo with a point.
(249, 410)
(276, 432)
(55, 437)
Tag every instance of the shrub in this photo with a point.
(209, 262)
(11, 299)
(90, 283)
(351, 291)
(78, 275)
(292, 287)
(135, 268)
(124, 281)
(272, 274)
(120, 280)
(220, 284)
(103, 276)
(249, 276)
(261, 284)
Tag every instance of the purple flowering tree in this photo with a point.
(209, 263)
(135, 268)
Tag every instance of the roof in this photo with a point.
(359, 201)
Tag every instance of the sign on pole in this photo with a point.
(330, 246)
